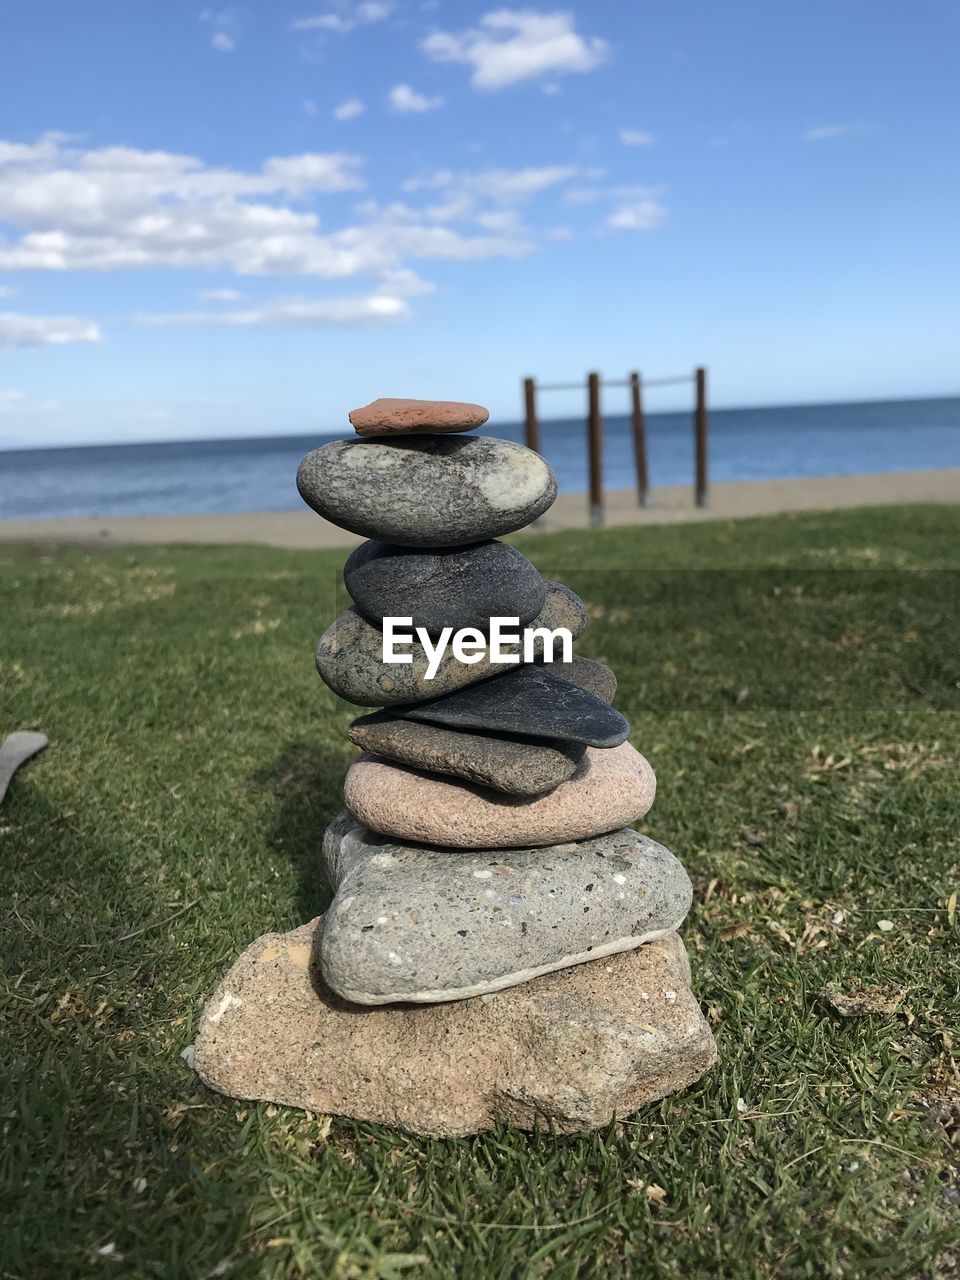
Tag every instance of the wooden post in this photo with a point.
(639, 439)
(595, 450)
(531, 427)
(700, 434)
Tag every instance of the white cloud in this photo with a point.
(403, 98)
(349, 109)
(66, 208)
(511, 45)
(8, 291)
(18, 330)
(219, 295)
(223, 36)
(369, 309)
(562, 235)
(19, 403)
(120, 208)
(345, 18)
(309, 107)
(500, 185)
(828, 132)
(636, 138)
(313, 171)
(641, 215)
(592, 195)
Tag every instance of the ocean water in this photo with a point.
(258, 474)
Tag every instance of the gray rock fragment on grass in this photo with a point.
(15, 750)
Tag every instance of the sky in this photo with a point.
(248, 220)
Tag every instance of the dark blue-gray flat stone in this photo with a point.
(443, 586)
(427, 491)
(529, 700)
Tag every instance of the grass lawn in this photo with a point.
(794, 682)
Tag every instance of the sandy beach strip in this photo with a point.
(669, 505)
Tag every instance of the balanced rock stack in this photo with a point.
(516, 935)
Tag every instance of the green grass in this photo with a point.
(794, 682)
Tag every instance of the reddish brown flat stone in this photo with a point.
(387, 417)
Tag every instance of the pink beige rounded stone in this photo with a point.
(399, 417)
(610, 789)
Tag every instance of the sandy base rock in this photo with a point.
(570, 1049)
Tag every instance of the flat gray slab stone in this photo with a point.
(531, 699)
(572, 1049)
(15, 750)
(427, 490)
(349, 657)
(509, 765)
(418, 924)
(445, 586)
(514, 766)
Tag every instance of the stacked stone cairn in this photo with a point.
(501, 942)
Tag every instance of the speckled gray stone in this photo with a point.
(427, 491)
(444, 586)
(571, 1050)
(412, 923)
(531, 699)
(520, 768)
(350, 657)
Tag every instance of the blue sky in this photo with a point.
(249, 219)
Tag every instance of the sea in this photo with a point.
(257, 474)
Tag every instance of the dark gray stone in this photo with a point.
(429, 490)
(529, 700)
(412, 923)
(444, 586)
(518, 768)
(350, 657)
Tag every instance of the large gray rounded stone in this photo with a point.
(427, 491)
(531, 699)
(419, 924)
(571, 1050)
(444, 586)
(350, 657)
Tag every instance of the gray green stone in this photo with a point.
(429, 490)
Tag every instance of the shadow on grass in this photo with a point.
(307, 781)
